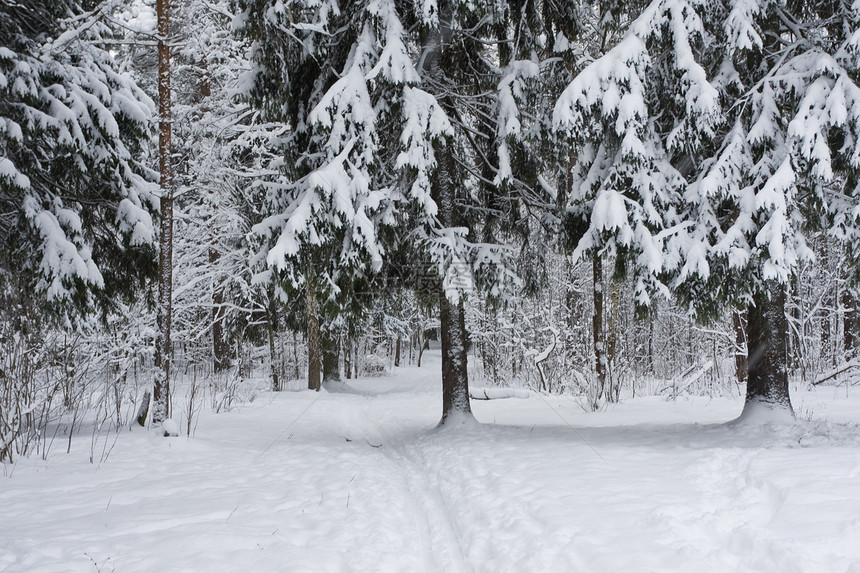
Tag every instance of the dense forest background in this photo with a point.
(204, 199)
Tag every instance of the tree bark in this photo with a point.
(271, 309)
(347, 358)
(455, 378)
(851, 323)
(739, 320)
(597, 329)
(767, 361)
(161, 389)
(455, 381)
(397, 353)
(331, 356)
(220, 346)
(613, 388)
(314, 350)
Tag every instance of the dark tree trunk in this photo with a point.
(455, 379)
(851, 323)
(314, 344)
(347, 358)
(331, 356)
(597, 329)
(767, 361)
(613, 388)
(220, 346)
(161, 390)
(397, 352)
(739, 320)
(271, 324)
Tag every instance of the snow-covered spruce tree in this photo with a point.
(314, 63)
(77, 202)
(337, 208)
(754, 104)
(622, 187)
(784, 169)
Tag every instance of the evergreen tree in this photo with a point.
(746, 111)
(377, 153)
(77, 201)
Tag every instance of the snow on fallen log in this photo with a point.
(496, 393)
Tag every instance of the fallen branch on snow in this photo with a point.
(496, 393)
(837, 371)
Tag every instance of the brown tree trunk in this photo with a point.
(314, 350)
(161, 390)
(767, 362)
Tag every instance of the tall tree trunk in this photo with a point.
(851, 323)
(767, 362)
(330, 355)
(314, 350)
(271, 324)
(421, 342)
(397, 352)
(161, 390)
(739, 321)
(455, 379)
(613, 388)
(347, 358)
(597, 329)
(220, 346)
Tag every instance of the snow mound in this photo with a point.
(761, 413)
(170, 427)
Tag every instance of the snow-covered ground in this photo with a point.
(357, 480)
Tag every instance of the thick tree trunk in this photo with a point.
(314, 350)
(161, 390)
(597, 330)
(331, 356)
(397, 352)
(851, 323)
(455, 381)
(455, 378)
(767, 362)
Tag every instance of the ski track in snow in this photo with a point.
(356, 478)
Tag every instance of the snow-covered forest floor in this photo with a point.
(354, 478)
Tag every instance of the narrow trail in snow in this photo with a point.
(465, 517)
(437, 539)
